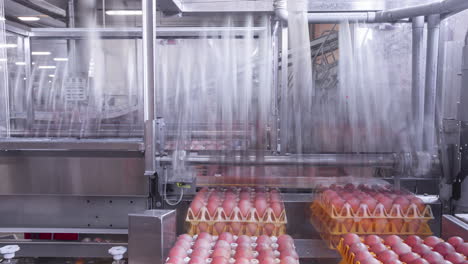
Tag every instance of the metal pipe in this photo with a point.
(462, 106)
(149, 83)
(417, 84)
(440, 7)
(319, 160)
(318, 18)
(433, 25)
(281, 10)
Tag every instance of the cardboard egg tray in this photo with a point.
(379, 212)
(331, 229)
(274, 247)
(252, 223)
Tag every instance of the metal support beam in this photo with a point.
(149, 84)
(334, 17)
(44, 8)
(283, 90)
(440, 7)
(433, 25)
(417, 82)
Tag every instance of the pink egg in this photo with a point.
(222, 244)
(432, 241)
(203, 227)
(242, 261)
(244, 196)
(267, 261)
(463, 249)
(350, 239)
(197, 260)
(175, 260)
(387, 255)
(266, 253)
(277, 208)
(262, 246)
(200, 252)
(205, 235)
(338, 203)
(397, 223)
(433, 257)
(370, 261)
(408, 257)
(185, 237)
(268, 229)
(362, 255)
(219, 260)
(264, 239)
(380, 225)
(243, 239)
(356, 247)
(289, 253)
(419, 261)
(354, 203)
(212, 207)
(245, 206)
(202, 243)
(455, 241)
(455, 258)
(196, 206)
(228, 206)
(378, 248)
(444, 248)
(244, 253)
(288, 260)
(226, 236)
(177, 252)
(261, 205)
(421, 249)
(221, 252)
(401, 248)
(285, 239)
(183, 244)
(372, 239)
(387, 203)
(219, 227)
(413, 240)
(236, 227)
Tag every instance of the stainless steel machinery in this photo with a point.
(85, 144)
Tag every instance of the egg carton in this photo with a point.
(252, 216)
(236, 228)
(379, 212)
(348, 257)
(331, 229)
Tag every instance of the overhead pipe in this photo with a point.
(440, 7)
(433, 32)
(317, 18)
(417, 82)
(281, 10)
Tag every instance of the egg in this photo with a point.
(463, 249)
(277, 208)
(222, 244)
(289, 253)
(378, 248)
(455, 241)
(444, 248)
(433, 257)
(354, 203)
(356, 247)
(262, 246)
(403, 202)
(200, 252)
(175, 260)
(226, 236)
(387, 255)
(387, 203)
(243, 239)
(205, 235)
(455, 258)
(421, 249)
(392, 240)
(196, 206)
(228, 206)
(285, 239)
(401, 248)
(338, 203)
(185, 237)
(408, 257)
(261, 205)
(242, 261)
(177, 252)
(236, 227)
(366, 224)
(219, 227)
(212, 207)
(414, 225)
(221, 252)
(370, 202)
(203, 227)
(219, 260)
(264, 239)
(244, 196)
(265, 253)
(197, 260)
(244, 253)
(268, 229)
(362, 255)
(183, 244)
(244, 207)
(267, 261)
(252, 228)
(380, 225)
(419, 261)
(350, 239)
(398, 224)
(288, 260)
(202, 243)
(413, 240)
(372, 239)
(431, 241)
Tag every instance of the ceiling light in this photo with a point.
(47, 67)
(3, 59)
(124, 12)
(40, 53)
(8, 45)
(60, 59)
(20, 63)
(29, 18)
(51, 75)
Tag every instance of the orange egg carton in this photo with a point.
(413, 211)
(332, 229)
(236, 228)
(249, 223)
